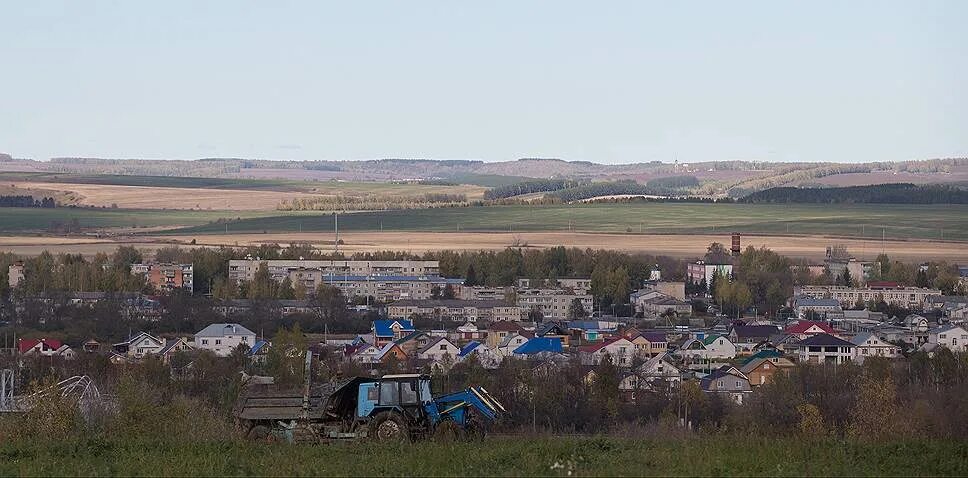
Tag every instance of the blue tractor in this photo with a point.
(389, 408)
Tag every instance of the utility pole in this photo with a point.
(336, 242)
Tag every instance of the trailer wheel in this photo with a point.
(448, 431)
(389, 426)
(259, 433)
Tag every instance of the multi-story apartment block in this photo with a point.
(244, 269)
(553, 303)
(699, 271)
(908, 297)
(576, 285)
(167, 277)
(456, 310)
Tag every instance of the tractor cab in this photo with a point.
(406, 393)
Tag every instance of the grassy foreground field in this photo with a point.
(857, 220)
(707, 456)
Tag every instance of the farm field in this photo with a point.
(948, 222)
(13, 219)
(496, 456)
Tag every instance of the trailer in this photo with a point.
(389, 408)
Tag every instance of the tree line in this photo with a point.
(26, 201)
(341, 202)
(901, 193)
(529, 187)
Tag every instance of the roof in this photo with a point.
(755, 363)
(26, 344)
(655, 337)
(825, 340)
(337, 278)
(802, 326)
(470, 347)
(258, 347)
(170, 344)
(138, 335)
(539, 345)
(432, 343)
(709, 339)
(946, 328)
(383, 328)
(505, 326)
(754, 331)
(221, 330)
(860, 339)
(764, 354)
(717, 374)
(600, 345)
(554, 328)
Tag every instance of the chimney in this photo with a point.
(735, 249)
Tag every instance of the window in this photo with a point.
(443, 347)
(407, 393)
(373, 393)
(218, 342)
(389, 393)
(204, 341)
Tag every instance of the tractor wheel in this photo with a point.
(448, 431)
(388, 427)
(259, 433)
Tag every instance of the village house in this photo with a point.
(916, 323)
(649, 344)
(556, 330)
(222, 339)
(727, 381)
(707, 347)
(806, 328)
(746, 337)
(659, 370)
(537, 347)
(414, 342)
(825, 349)
(760, 370)
(498, 331)
(140, 345)
(439, 350)
(362, 353)
(484, 355)
(869, 345)
(511, 343)
(386, 331)
(619, 349)
(45, 348)
(954, 337)
(173, 346)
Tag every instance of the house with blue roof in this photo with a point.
(259, 351)
(386, 331)
(539, 345)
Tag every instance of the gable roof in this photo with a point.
(709, 339)
(172, 343)
(763, 354)
(803, 325)
(258, 347)
(432, 343)
(221, 330)
(470, 347)
(754, 331)
(551, 328)
(539, 345)
(946, 328)
(755, 363)
(825, 340)
(592, 348)
(505, 326)
(26, 344)
(384, 328)
(134, 338)
(722, 372)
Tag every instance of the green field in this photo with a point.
(285, 185)
(859, 220)
(696, 456)
(18, 219)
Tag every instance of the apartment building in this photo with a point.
(456, 310)
(166, 277)
(908, 297)
(553, 303)
(15, 274)
(700, 270)
(244, 269)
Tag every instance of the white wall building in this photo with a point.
(222, 339)
(954, 337)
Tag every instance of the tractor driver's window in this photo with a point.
(389, 394)
(407, 393)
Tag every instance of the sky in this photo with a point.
(609, 82)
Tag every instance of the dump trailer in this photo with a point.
(388, 408)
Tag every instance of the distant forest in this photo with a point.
(902, 193)
(529, 187)
(613, 188)
(26, 201)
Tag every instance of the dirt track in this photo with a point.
(673, 245)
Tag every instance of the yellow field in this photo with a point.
(685, 246)
(146, 197)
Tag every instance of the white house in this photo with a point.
(45, 347)
(953, 337)
(222, 339)
(510, 343)
(620, 349)
(487, 357)
(710, 346)
(916, 323)
(140, 345)
(437, 349)
(825, 348)
(659, 369)
(869, 345)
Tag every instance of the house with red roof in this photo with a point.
(809, 328)
(45, 347)
(620, 349)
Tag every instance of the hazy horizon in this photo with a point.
(617, 83)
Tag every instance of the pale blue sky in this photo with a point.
(611, 82)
